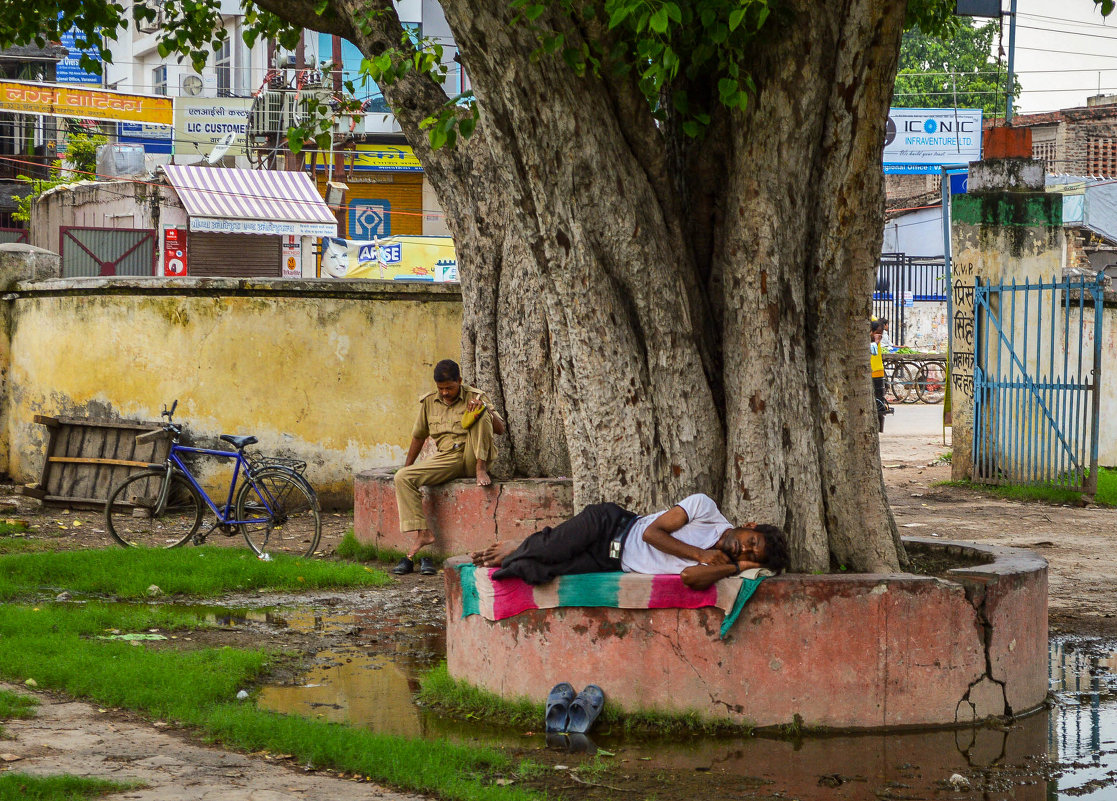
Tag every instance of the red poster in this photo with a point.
(174, 252)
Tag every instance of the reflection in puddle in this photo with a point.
(363, 690)
(1069, 751)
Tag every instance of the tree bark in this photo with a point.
(659, 315)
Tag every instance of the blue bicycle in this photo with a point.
(269, 501)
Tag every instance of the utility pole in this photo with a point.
(1011, 63)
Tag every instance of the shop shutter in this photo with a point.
(402, 191)
(233, 256)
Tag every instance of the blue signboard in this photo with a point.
(69, 69)
(959, 183)
(154, 138)
(369, 218)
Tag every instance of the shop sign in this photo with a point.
(53, 100)
(223, 225)
(291, 251)
(202, 123)
(395, 258)
(174, 252)
(153, 138)
(386, 158)
(924, 140)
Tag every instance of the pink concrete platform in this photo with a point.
(861, 651)
(463, 516)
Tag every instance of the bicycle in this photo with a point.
(273, 506)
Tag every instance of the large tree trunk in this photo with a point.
(660, 331)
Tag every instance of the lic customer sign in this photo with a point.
(923, 140)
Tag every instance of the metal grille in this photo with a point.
(107, 251)
(234, 255)
(901, 279)
(13, 235)
(1037, 350)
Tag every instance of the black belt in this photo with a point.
(616, 545)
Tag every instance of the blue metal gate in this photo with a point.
(1037, 370)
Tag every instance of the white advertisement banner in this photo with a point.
(205, 123)
(283, 228)
(923, 139)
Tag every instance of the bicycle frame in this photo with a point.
(223, 517)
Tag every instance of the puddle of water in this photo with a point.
(1069, 751)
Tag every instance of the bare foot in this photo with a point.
(494, 555)
(483, 479)
(423, 538)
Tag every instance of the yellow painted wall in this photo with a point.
(324, 371)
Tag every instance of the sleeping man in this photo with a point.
(692, 538)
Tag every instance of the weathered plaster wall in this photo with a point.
(325, 371)
(997, 236)
(101, 204)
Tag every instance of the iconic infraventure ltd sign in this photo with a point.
(922, 140)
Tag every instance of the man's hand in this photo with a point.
(473, 405)
(712, 556)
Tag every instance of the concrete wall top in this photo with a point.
(355, 289)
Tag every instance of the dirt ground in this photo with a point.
(1079, 543)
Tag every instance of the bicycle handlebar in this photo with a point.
(169, 413)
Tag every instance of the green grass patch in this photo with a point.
(463, 700)
(206, 572)
(13, 705)
(24, 545)
(351, 548)
(25, 787)
(1105, 496)
(10, 527)
(59, 646)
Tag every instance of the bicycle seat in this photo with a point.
(239, 442)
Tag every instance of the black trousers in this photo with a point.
(578, 545)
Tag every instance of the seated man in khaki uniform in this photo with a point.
(461, 452)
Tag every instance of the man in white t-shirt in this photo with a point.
(692, 538)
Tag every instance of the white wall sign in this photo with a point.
(202, 123)
(921, 140)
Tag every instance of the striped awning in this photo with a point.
(224, 200)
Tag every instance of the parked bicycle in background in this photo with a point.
(269, 501)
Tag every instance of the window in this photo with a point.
(1101, 156)
(223, 61)
(159, 80)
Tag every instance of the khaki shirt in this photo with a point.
(443, 423)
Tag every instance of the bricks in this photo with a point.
(463, 516)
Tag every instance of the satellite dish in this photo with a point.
(192, 85)
(221, 148)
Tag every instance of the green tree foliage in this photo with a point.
(956, 70)
(80, 165)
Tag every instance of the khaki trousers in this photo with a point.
(442, 467)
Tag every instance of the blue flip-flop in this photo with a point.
(558, 705)
(585, 708)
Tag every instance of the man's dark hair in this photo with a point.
(875, 325)
(447, 370)
(775, 547)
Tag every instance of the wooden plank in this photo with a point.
(96, 460)
(44, 420)
(31, 492)
(129, 424)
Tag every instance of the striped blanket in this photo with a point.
(496, 600)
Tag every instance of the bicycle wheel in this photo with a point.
(903, 382)
(894, 387)
(133, 519)
(932, 382)
(293, 525)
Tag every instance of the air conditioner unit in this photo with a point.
(156, 24)
(191, 85)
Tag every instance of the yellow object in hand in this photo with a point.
(469, 418)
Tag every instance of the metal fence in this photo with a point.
(903, 280)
